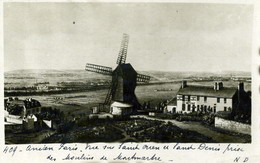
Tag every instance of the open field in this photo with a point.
(78, 102)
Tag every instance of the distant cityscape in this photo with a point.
(12, 88)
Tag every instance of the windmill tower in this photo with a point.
(124, 78)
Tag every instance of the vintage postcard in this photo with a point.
(119, 81)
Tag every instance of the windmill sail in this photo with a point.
(123, 49)
(111, 92)
(143, 78)
(98, 69)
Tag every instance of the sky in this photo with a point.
(162, 36)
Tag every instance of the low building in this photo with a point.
(121, 109)
(32, 106)
(151, 113)
(95, 110)
(15, 106)
(42, 87)
(191, 98)
(172, 105)
(17, 111)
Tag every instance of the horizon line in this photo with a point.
(220, 71)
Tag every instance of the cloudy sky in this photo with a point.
(164, 37)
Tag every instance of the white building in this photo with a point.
(121, 109)
(192, 98)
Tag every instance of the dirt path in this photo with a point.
(196, 126)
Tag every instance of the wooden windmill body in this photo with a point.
(124, 78)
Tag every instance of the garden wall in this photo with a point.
(233, 126)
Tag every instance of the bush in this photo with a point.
(208, 119)
(188, 118)
(224, 114)
(243, 118)
(163, 116)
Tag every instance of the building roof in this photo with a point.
(120, 104)
(225, 92)
(126, 71)
(16, 102)
(173, 102)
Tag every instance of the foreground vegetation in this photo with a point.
(134, 130)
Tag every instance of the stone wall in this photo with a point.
(232, 126)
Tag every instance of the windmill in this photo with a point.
(124, 78)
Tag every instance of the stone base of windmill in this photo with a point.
(121, 110)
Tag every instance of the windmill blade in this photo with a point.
(110, 93)
(123, 49)
(98, 69)
(143, 78)
(108, 97)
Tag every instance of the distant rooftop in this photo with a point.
(16, 102)
(27, 103)
(194, 90)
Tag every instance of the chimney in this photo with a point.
(184, 84)
(215, 85)
(218, 85)
(240, 91)
(241, 86)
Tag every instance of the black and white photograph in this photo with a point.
(127, 72)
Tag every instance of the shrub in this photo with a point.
(208, 119)
(188, 118)
(224, 114)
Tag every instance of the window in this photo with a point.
(198, 98)
(188, 98)
(205, 99)
(183, 107)
(225, 100)
(225, 108)
(218, 100)
(183, 98)
(198, 108)
(193, 108)
(188, 107)
(214, 109)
